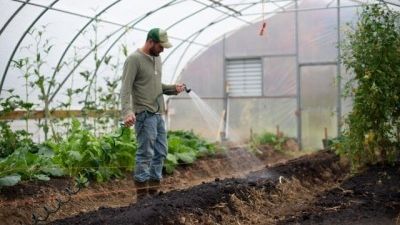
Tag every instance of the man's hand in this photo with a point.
(130, 120)
(179, 87)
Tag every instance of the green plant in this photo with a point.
(90, 103)
(32, 69)
(83, 154)
(28, 162)
(267, 138)
(20, 157)
(371, 51)
(11, 140)
(109, 96)
(185, 147)
(25, 67)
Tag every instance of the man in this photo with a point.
(142, 105)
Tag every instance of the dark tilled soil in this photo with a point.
(314, 168)
(18, 203)
(34, 188)
(165, 208)
(371, 197)
(203, 199)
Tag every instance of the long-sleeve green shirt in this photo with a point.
(141, 85)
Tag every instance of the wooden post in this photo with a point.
(325, 142)
(221, 132)
(278, 133)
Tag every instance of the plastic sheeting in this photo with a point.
(315, 85)
(204, 35)
(191, 24)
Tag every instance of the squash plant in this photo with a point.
(27, 164)
(185, 147)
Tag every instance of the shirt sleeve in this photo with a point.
(169, 89)
(128, 76)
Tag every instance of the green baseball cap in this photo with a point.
(159, 35)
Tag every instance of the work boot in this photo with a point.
(141, 190)
(154, 186)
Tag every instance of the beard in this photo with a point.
(153, 52)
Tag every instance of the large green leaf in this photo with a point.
(10, 180)
(172, 158)
(45, 151)
(169, 168)
(75, 155)
(53, 171)
(42, 177)
(186, 157)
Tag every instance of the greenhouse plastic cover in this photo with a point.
(193, 23)
(187, 22)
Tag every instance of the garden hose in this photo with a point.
(69, 192)
(188, 90)
(122, 127)
(79, 184)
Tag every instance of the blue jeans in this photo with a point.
(152, 146)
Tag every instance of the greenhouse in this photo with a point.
(200, 112)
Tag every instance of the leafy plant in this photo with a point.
(32, 68)
(109, 96)
(11, 140)
(25, 164)
(372, 52)
(25, 66)
(83, 154)
(277, 142)
(185, 147)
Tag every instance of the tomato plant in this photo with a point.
(371, 52)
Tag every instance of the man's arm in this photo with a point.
(128, 77)
(172, 89)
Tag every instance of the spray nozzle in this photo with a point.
(187, 89)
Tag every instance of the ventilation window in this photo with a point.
(244, 77)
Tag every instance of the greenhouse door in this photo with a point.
(318, 103)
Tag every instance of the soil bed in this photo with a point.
(371, 197)
(222, 201)
(236, 188)
(18, 203)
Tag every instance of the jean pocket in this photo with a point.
(138, 126)
(141, 117)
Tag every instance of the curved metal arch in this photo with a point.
(101, 42)
(186, 17)
(113, 44)
(20, 41)
(183, 54)
(57, 68)
(390, 3)
(13, 15)
(221, 11)
(196, 35)
(177, 22)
